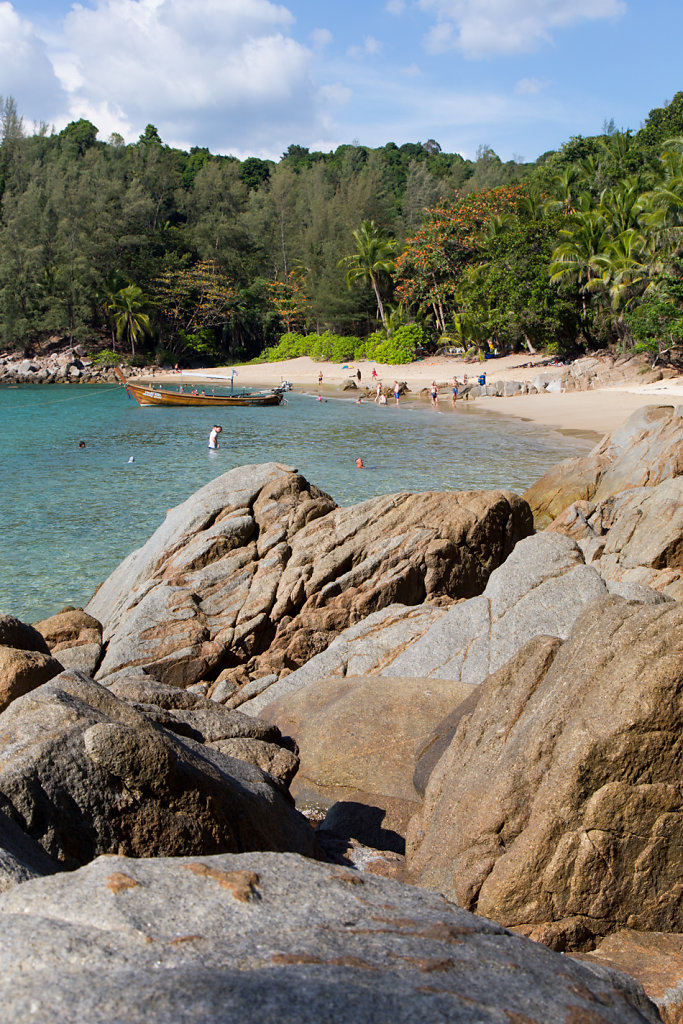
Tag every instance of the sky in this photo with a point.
(249, 77)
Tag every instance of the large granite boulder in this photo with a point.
(644, 451)
(654, 959)
(25, 660)
(265, 937)
(540, 588)
(76, 637)
(634, 538)
(358, 740)
(83, 773)
(21, 857)
(259, 571)
(557, 807)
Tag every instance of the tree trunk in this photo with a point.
(379, 301)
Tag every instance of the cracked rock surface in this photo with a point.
(278, 939)
(259, 571)
(557, 807)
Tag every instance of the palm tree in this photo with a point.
(126, 308)
(372, 260)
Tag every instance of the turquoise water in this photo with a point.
(68, 516)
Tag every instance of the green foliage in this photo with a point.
(106, 358)
(657, 323)
(335, 348)
(400, 348)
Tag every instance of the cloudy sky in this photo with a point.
(249, 77)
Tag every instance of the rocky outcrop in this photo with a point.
(557, 807)
(261, 937)
(25, 660)
(76, 637)
(21, 858)
(540, 588)
(654, 959)
(602, 370)
(83, 772)
(634, 539)
(259, 571)
(359, 738)
(646, 450)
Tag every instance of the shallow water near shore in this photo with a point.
(68, 516)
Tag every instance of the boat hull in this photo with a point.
(146, 395)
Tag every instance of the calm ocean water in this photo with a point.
(68, 516)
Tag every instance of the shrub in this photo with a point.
(107, 357)
(400, 348)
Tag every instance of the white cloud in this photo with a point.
(396, 7)
(221, 73)
(529, 86)
(370, 47)
(26, 72)
(321, 37)
(412, 71)
(481, 28)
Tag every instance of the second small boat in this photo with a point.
(146, 394)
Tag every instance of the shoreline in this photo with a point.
(587, 414)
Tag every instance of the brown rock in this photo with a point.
(644, 451)
(85, 773)
(654, 959)
(71, 627)
(22, 671)
(15, 633)
(358, 739)
(557, 809)
(250, 579)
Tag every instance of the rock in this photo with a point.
(359, 650)
(83, 658)
(633, 538)
(21, 858)
(348, 385)
(85, 773)
(266, 937)
(540, 588)
(70, 628)
(358, 740)
(644, 451)
(243, 582)
(22, 671)
(557, 807)
(654, 959)
(14, 633)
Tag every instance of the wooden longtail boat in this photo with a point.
(145, 394)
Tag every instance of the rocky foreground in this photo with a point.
(488, 716)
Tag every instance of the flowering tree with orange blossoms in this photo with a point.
(429, 269)
(290, 301)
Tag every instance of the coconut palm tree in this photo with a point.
(131, 322)
(372, 260)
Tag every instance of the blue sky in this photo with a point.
(249, 77)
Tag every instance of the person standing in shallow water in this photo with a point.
(397, 391)
(213, 437)
(434, 393)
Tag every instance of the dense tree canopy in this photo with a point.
(194, 254)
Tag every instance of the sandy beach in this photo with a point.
(585, 412)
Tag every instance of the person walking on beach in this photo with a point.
(454, 389)
(358, 375)
(213, 437)
(320, 378)
(434, 392)
(397, 391)
(378, 391)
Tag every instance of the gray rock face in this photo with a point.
(634, 538)
(85, 773)
(266, 938)
(21, 858)
(247, 581)
(541, 588)
(646, 450)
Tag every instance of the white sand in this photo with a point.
(589, 412)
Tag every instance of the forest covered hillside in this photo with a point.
(192, 256)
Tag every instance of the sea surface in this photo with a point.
(69, 515)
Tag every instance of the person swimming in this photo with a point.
(359, 463)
